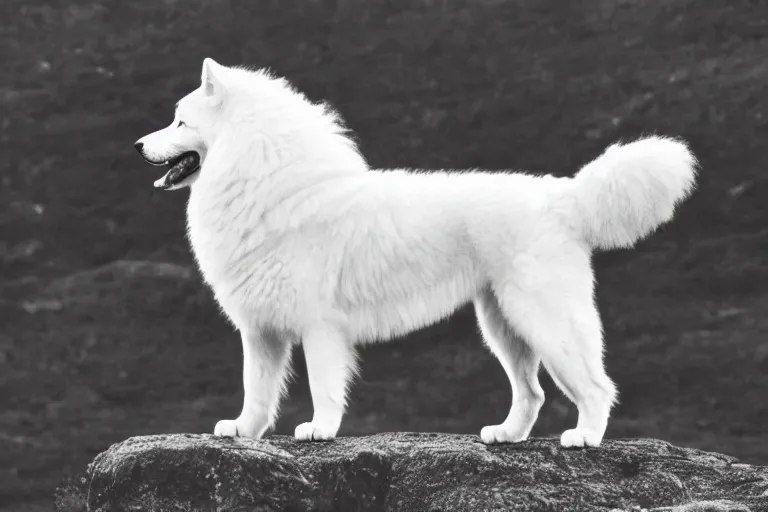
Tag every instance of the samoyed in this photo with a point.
(302, 243)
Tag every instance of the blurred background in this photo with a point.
(106, 331)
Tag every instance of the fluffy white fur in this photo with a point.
(302, 242)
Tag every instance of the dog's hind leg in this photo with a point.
(331, 364)
(266, 355)
(555, 312)
(521, 365)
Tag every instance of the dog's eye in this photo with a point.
(181, 123)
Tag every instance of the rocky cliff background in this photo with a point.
(106, 331)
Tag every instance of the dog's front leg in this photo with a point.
(331, 362)
(265, 367)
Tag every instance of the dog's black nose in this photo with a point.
(139, 146)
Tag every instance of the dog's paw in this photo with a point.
(227, 428)
(252, 427)
(494, 434)
(314, 432)
(580, 438)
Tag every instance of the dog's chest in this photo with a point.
(249, 273)
(229, 244)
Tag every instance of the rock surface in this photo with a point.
(409, 472)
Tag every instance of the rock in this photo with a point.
(150, 283)
(409, 472)
(117, 272)
(21, 251)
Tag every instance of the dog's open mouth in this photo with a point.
(179, 169)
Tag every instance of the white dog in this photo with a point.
(302, 242)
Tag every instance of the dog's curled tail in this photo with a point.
(631, 189)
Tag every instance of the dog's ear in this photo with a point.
(211, 80)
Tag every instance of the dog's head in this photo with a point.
(248, 114)
(181, 147)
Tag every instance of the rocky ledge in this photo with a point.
(409, 472)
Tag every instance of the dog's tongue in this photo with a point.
(163, 182)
